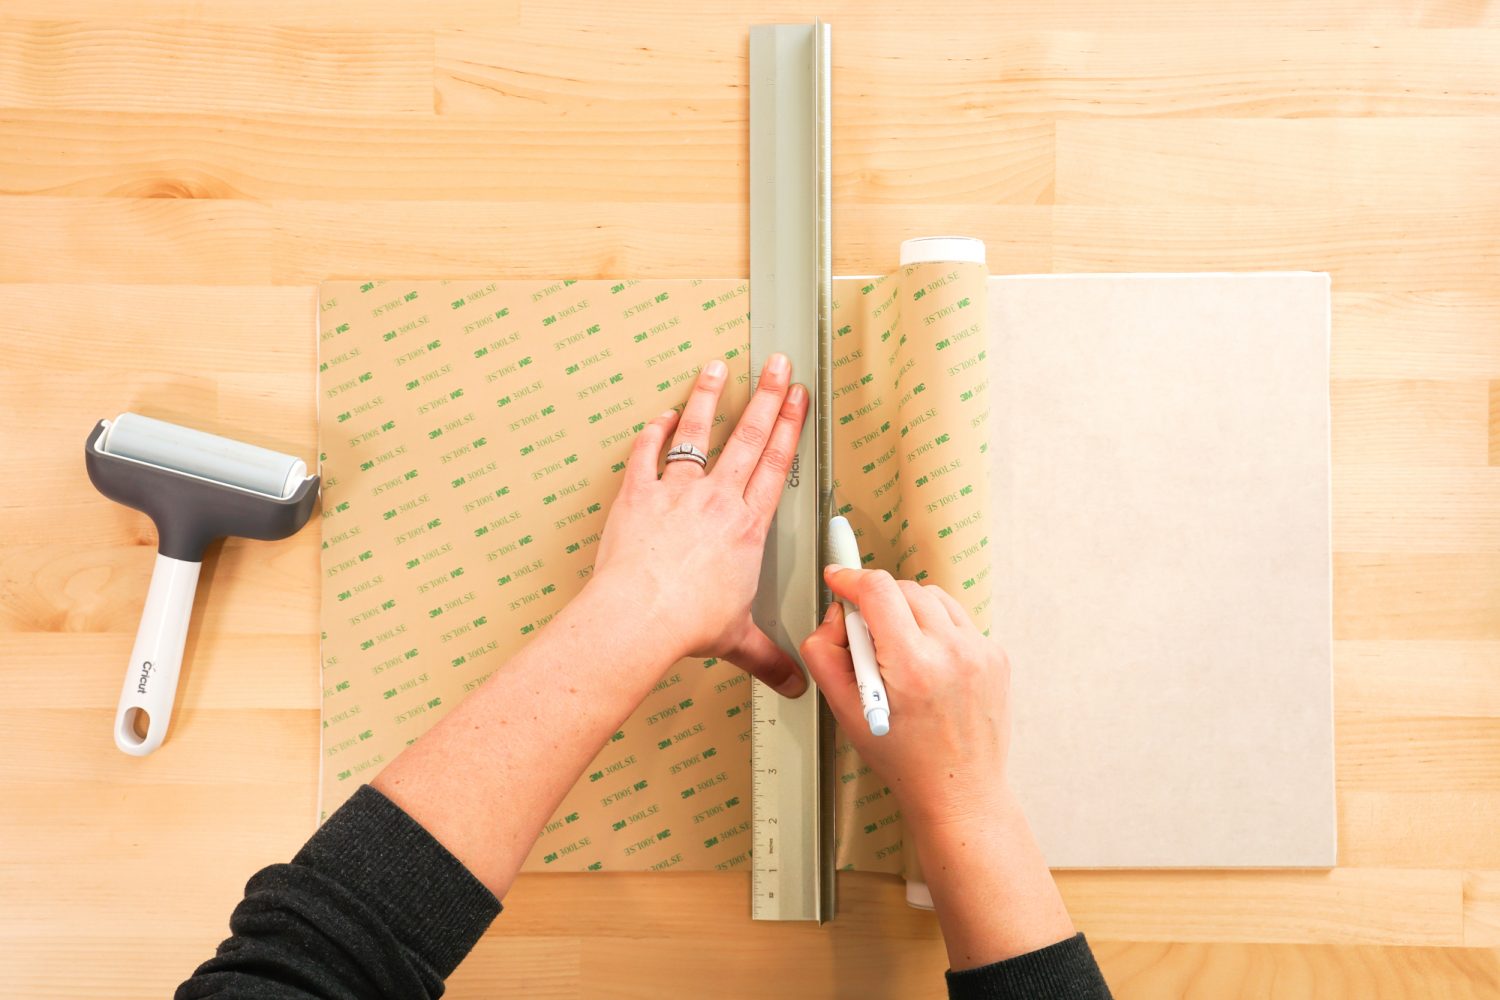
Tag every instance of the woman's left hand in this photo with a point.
(685, 548)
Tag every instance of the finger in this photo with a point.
(929, 612)
(758, 656)
(826, 653)
(743, 449)
(833, 625)
(645, 453)
(767, 482)
(697, 421)
(880, 601)
(956, 611)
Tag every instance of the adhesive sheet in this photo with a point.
(1148, 505)
(473, 435)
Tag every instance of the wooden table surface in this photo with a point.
(176, 177)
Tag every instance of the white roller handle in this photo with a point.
(151, 679)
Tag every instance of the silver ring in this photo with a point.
(685, 452)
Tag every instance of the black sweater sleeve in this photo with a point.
(371, 907)
(1062, 971)
(374, 907)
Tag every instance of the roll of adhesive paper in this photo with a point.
(939, 383)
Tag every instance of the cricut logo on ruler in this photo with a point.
(146, 667)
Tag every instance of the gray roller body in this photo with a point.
(209, 456)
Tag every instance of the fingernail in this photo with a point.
(796, 395)
(833, 609)
(831, 568)
(668, 414)
(793, 686)
(778, 364)
(715, 369)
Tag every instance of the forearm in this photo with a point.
(486, 779)
(991, 888)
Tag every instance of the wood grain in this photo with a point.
(175, 178)
(1316, 162)
(207, 66)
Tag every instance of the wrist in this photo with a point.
(978, 805)
(994, 895)
(623, 615)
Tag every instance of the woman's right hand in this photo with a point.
(949, 691)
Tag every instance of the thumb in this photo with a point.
(826, 654)
(758, 656)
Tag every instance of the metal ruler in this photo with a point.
(791, 287)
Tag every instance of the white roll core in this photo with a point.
(931, 249)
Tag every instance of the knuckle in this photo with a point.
(917, 682)
(749, 525)
(693, 428)
(751, 434)
(776, 457)
(876, 581)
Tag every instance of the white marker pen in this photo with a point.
(872, 697)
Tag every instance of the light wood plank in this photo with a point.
(697, 153)
(155, 330)
(1365, 250)
(1417, 679)
(1416, 596)
(977, 69)
(197, 65)
(1410, 423)
(1140, 15)
(1495, 423)
(330, 14)
(234, 670)
(246, 587)
(1482, 909)
(132, 241)
(1447, 829)
(233, 242)
(247, 746)
(548, 966)
(1297, 972)
(589, 240)
(1378, 162)
(136, 241)
(1381, 508)
(1345, 905)
(1438, 334)
(1418, 755)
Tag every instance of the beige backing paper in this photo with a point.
(473, 434)
(1161, 555)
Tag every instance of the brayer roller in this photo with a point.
(196, 487)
